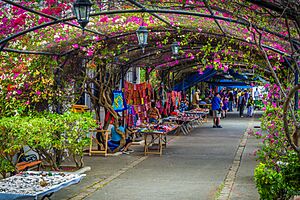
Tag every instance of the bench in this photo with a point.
(21, 166)
(79, 108)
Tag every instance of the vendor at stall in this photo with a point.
(196, 99)
(114, 142)
(153, 113)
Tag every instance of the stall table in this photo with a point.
(36, 184)
(183, 123)
(158, 138)
(195, 113)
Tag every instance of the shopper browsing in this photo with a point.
(216, 108)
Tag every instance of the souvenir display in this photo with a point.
(161, 128)
(138, 96)
(119, 103)
(31, 183)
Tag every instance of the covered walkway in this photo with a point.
(193, 166)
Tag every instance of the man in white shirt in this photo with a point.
(256, 94)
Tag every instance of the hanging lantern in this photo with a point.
(142, 35)
(175, 48)
(82, 9)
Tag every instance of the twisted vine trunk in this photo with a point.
(104, 82)
(292, 138)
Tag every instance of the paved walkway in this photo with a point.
(193, 166)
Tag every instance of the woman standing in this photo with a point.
(230, 102)
(241, 103)
(225, 106)
(250, 106)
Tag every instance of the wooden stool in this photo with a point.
(104, 133)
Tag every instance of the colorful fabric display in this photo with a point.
(119, 103)
(139, 97)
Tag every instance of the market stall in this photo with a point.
(155, 135)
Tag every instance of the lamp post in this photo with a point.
(142, 35)
(175, 49)
(82, 9)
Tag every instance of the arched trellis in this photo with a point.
(142, 10)
(151, 11)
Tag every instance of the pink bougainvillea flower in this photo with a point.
(151, 20)
(210, 66)
(90, 52)
(200, 71)
(115, 18)
(104, 19)
(258, 133)
(27, 102)
(226, 15)
(245, 31)
(97, 38)
(76, 46)
(19, 92)
(226, 68)
(220, 66)
(16, 75)
(38, 93)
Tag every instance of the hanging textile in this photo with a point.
(138, 96)
(119, 103)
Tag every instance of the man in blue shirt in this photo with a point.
(216, 105)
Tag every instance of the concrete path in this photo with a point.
(193, 166)
(244, 187)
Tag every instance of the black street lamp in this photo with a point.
(142, 35)
(82, 9)
(175, 48)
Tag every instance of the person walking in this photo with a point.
(230, 102)
(216, 105)
(224, 107)
(250, 106)
(238, 95)
(242, 102)
(256, 94)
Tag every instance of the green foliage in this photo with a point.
(280, 181)
(50, 135)
(278, 174)
(5, 166)
(269, 182)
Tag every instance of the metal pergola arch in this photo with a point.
(239, 21)
(142, 9)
